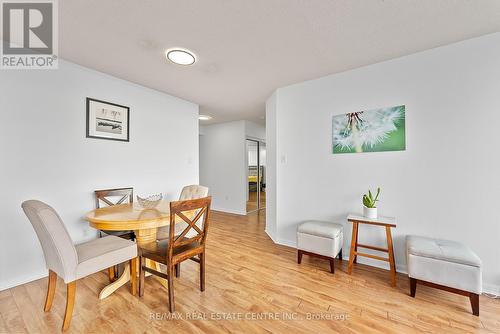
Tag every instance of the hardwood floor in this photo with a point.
(250, 277)
(252, 201)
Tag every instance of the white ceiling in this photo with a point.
(248, 48)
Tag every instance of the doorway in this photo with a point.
(256, 175)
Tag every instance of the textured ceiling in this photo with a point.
(248, 48)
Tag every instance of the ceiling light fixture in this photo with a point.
(204, 117)
(180, 56)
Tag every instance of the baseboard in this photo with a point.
(234, 212)
(493, 289)
(25, 280)
(288, 243)
(270, 235)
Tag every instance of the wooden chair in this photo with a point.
(110, 197)
(72, 262)
(188, 192)
(179, 248)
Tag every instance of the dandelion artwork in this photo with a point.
(370, 131)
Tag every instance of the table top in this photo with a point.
(383, 221)
(129, 217)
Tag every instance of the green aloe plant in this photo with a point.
(369, 201)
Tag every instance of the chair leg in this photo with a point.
(332, 265)
(70, 302)
(202, 271)
(142, 262)
(177, 269)
(413, 286)
(474, 302)
(118, 271)
(51, 289)
(171, 301)
(133, 276)
(340, 255)
(299, 256)
(111, 274)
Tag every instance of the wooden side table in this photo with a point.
(386, 222)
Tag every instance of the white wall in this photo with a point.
(45, 155)
(224, 161)
(255, 131)
(445, 184)
(223, 165)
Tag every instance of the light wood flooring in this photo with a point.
(250, 277)
(252, 201)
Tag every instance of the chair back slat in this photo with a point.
(126, 195)
(200, 209)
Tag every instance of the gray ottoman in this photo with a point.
(446, 265)
(320, 239)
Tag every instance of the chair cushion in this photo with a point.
(320, 229)
(445, 250)
(102, 253)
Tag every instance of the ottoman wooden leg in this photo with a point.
(299, 256)
(413, 287)
(332, 265)
(474, 303)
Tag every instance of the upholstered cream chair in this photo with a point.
(71, 262)
(188, 192)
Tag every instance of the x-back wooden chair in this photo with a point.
(181, 247)
(110, 197)
(126, 195)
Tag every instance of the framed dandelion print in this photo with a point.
(374, 130)
(107, 120)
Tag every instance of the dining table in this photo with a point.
(144, 221)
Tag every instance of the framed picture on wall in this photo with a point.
(376, 130)
(107, 120)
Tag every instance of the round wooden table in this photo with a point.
(124, 217)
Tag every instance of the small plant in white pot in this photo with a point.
(369, 204)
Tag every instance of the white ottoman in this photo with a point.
(320, 239)
(446, 265)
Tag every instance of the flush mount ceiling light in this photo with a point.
(180, 56)
(204, 117)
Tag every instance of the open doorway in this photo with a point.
(256, 175)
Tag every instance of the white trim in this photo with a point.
(30, 278)
(234, 212)
(491, 289)
(288, 243)
(270, 236)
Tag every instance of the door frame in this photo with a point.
(259, 181)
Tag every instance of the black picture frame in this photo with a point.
(89, 100)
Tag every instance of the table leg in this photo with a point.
(122, 280)
(353, 246)
(143, 237)
(390, 248)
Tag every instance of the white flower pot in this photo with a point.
(369, 212)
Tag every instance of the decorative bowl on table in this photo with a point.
(150, 201)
